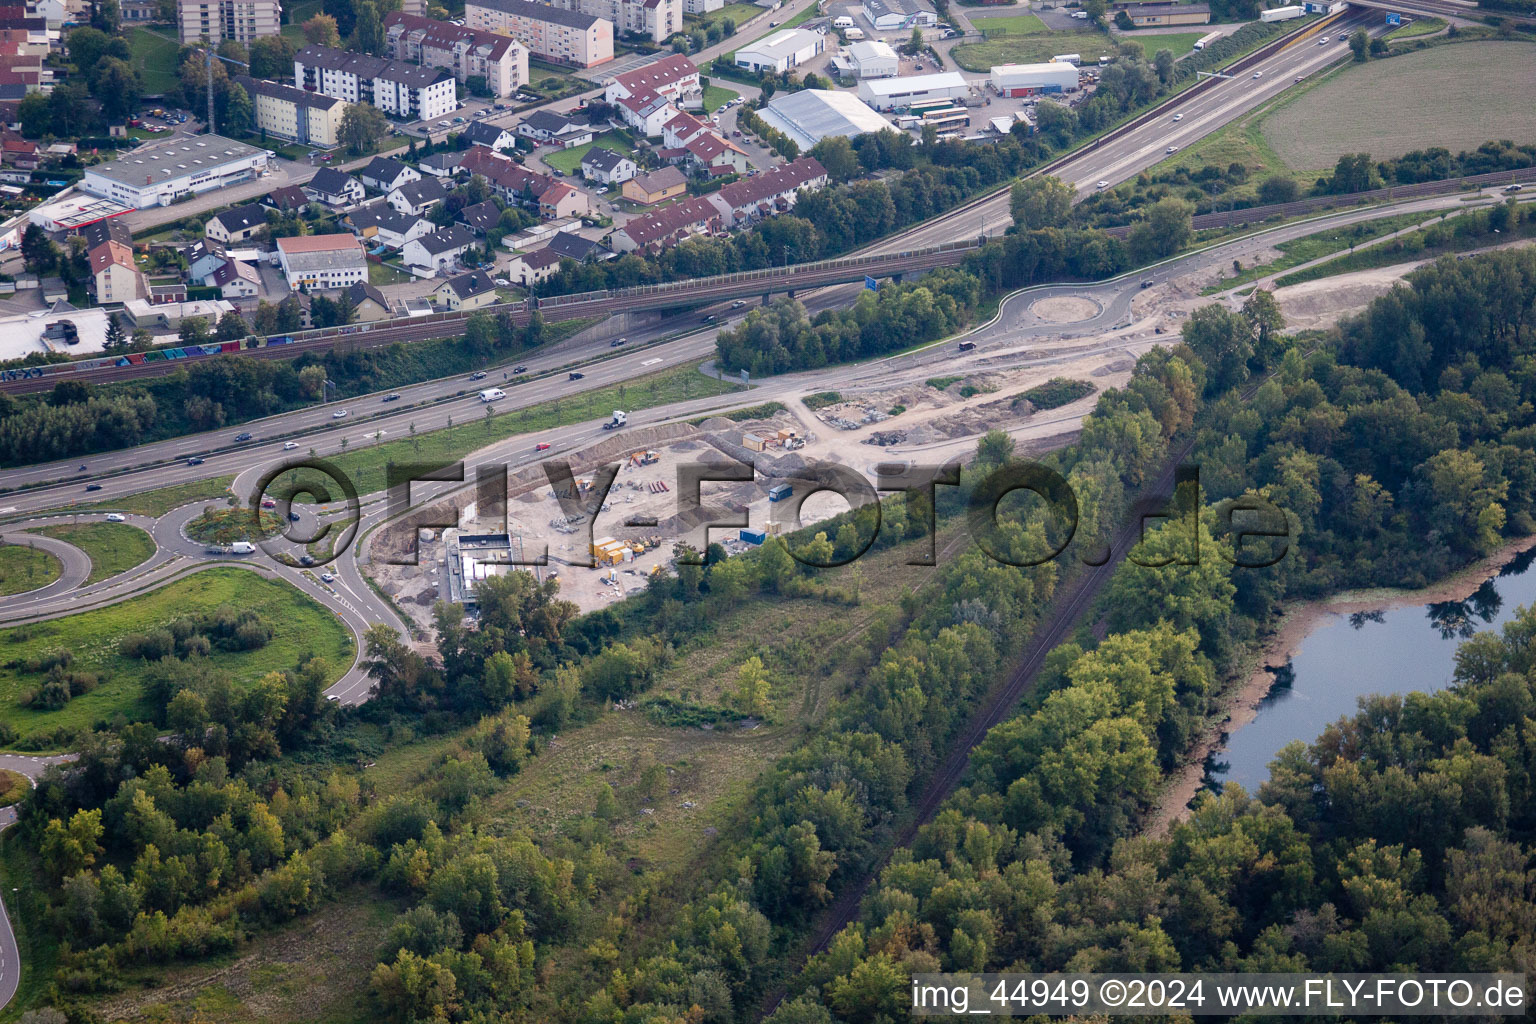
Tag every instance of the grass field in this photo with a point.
(13, 786)
(740, 14)
(1017, 48)
(154, 58)
(569, 160)
(1417, 27)
(161, 500)
(302, 627)
(112, 547)
(1012, 24)
(1180, 43)
(717, 96)
(23, 568)
(1441, 96)
(381, 273)
(365, 465)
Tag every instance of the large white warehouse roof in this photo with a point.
(810, 115)
(913, 85)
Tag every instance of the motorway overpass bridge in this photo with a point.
(1439, 9)
(747, 284)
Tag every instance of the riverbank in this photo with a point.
(1239, 704)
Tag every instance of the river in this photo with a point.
(1395, 650)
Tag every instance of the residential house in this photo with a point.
(657, 187)
(646, 111)
(673, 76)
(468, 52)
(479, 133)
(735, 205)
(308, 118)
(292, 197)
(322, 262)
(473, 290)
(398, 88)
(385, 175)
(549, 128)
(515, 184)
(236, 225)
(607, 166)
(114, 275)
(481, 217)
(441, 165)
(574, 247)
(563, 37)
(438, 252)
(562, 200)
(335, 188)
(417, 197)
(676, 133)
(236, 279)
(382, 224)
(716, 153)
(203, 258)
(21, 154)
(369, 302)
(528, 269)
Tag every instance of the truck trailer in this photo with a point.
(1282, 13)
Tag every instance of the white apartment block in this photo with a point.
(656, 20)
(244, 21)
(309, 118)
(467, 52)
(401, 90)
(552, 33)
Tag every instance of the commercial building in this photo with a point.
(810, 115)
(161, 173)
(322, 262)
(244, 21)
(1147, 14)
(1029, 79)
(397, 88)
(469, 53)
(655, 20)
(551, 33)
(308, 118)
(781, 51)
(868, 59)
(899, 93)
(889, 15)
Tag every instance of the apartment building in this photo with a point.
(550, 33)
(309, 118)
(244, 21)
(501, 60)
(656, 20)
(402, 90)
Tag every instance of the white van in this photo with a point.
(842, 22)
(492, 395)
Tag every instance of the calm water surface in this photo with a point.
(1399, 650)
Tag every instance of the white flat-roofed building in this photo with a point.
(396, 87)
(322, 262)
(810, 115)
(868, 59)
(1029, 79)
(161, 173)
(895, 93)
(565, 37)
(781, 51)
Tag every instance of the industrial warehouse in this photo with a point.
(811, 115)
(898, 93)
(1030, 79)
(158, 175)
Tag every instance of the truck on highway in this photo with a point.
(619, 420)
(492, 395)
(1282, 13)
(239, 547)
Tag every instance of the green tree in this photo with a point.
(752, 688)
(1163, 62)
(35, 114)
(321, 31)
(368, 32)
(239, 113)
(115, 85)
(412, 988)
(116, 339)
(1165, 228)
(1359, 45)
(1277, 189)
(272, 57)
(1041, 202)
(363, 126)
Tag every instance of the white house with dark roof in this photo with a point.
(417, 197)
(607, 166)
(439, 251)
(236, 279)
(334, 188)
(481, 217)
(548, 127)
(236, 225)
(479, 133)
(382, 224)
(466, 291)
(385, 175)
